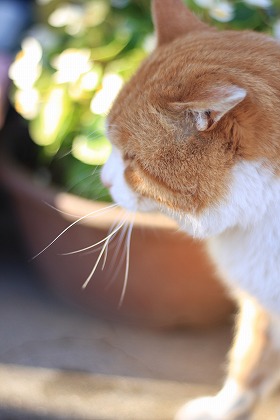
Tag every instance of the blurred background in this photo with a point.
(62, 63)
(73, 59)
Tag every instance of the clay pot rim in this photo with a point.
(157, 308)
(73, 207)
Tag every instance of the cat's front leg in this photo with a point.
(254, 369)
(231, 403)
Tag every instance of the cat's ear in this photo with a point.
(212, 105)
(172, 19)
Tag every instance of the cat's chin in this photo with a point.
(195, 229)
(202, 227)
(127, 199)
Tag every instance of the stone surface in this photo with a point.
(59, 363)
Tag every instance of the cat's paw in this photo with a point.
(233, 402)
(209, 408)
(199, 409)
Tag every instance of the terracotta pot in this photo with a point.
(171, 282)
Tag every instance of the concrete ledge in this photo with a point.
(33, 393)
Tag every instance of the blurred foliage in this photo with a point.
(74, 61)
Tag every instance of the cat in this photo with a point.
(196, 134)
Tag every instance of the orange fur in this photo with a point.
(175, 28)
(254, 360)
(146, 123)
(200, 104)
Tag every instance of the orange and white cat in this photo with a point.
(196, 135)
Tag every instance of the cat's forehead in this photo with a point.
(176, 69)
(177, 72)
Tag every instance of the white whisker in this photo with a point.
(106, 252)
(95, 250)
(60, 211)
(72, 214)
(120, 240)
(121, 260)
(69, 152)
(97, 243)
(127, 263)
(96, 264)
(64, 154)
(86, 180)
(71, 225)
(105, 246)
(105, 257)
(91, 135)
(97, 170)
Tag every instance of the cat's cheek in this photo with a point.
(126, 198)
(123, 198)
(112, 169)
(252, 191)
(113, 177)
(122, 194)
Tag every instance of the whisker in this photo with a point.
(90, 136)
(105, 257)
(127, 262)
(71, 225)
(103, 196)
(59, 210)
(97, 243)
(97, 170)
(95, 250)
(86, 180)
(106, 252)
(121, 260)
(105, 246)
(66, 213)
(96, 264)
(117, 250)
(64, 154)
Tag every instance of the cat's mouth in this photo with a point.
(130, 200)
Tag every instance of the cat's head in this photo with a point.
(192, 131)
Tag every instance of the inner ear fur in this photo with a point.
(173, 19)
(216, 102)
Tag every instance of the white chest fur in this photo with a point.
(243, 231)
(249, 260)
(248, 254)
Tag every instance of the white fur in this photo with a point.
(252, 191)
(243, 231)
(113, 175)
(248, 250)
(243, 235)
(228, 404)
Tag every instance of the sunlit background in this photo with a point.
(75, 59)
(56, 361)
